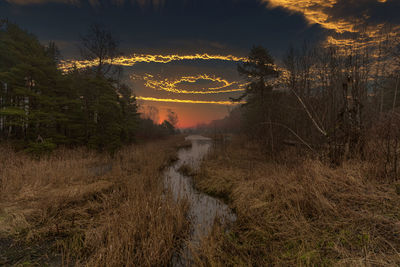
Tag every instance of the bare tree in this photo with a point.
(98, 44)
(152, 113)
(331, 87)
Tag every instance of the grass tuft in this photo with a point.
(76, 207)
(304, 213)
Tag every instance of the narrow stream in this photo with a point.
(204, 209)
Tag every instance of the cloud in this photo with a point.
(141, 3)
(341, 16)
(36, 2)
(187, 101)
(217, 85)
(315, 12)
(349, 23)
(153, 3)
(128, 61)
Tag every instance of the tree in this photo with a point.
(151, 113)
(30, 95)
(41, 107)
(129, 112)
(331, 86)
(168, 127)
(98, 44)
(260, 72)
(172, 118)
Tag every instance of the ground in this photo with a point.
(299, 211)
(77, 206)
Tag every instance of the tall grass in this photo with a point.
(303, 213)
(90, 209)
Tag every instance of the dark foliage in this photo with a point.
(41, 107)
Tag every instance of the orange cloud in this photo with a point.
(350, 22)
(187, 101)
(315, 11)
(325, 13)
(67, 65)
(172, 86)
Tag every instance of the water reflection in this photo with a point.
(204, 209)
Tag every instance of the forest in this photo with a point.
(42, 108)
(311, 166)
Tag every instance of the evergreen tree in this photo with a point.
(260, 98)
(41, 107)
(29, 86)
(129, 113)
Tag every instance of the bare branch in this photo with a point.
(292, 131)
(319, 128)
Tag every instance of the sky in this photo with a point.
(183, 54)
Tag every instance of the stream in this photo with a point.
(203, 209)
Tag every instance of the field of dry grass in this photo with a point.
(300, 213)
(81, 208)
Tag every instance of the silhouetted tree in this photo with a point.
(41, 107)
(260, 71)
(100, 45)
(172, 118)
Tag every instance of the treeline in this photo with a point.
(336, 102)
(41, 107)
(230, 124)
(151, 129)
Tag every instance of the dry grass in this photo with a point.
(304, 214)
(186, 170)
(80, 208)
(185, 144)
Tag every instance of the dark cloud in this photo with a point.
(372, 11)
(187, 27)
(343, 16)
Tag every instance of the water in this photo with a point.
(203, 209)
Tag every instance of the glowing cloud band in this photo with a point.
(315, 13)
(67, 65)
(226, 103)
(171, 86)
(351, 32)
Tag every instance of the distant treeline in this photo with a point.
(41, 107)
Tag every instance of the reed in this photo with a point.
(302, 213)
(77, 207)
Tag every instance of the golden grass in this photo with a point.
(81, 208)
(302, 213)
(186, 170)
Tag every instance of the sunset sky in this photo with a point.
(182, 54)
